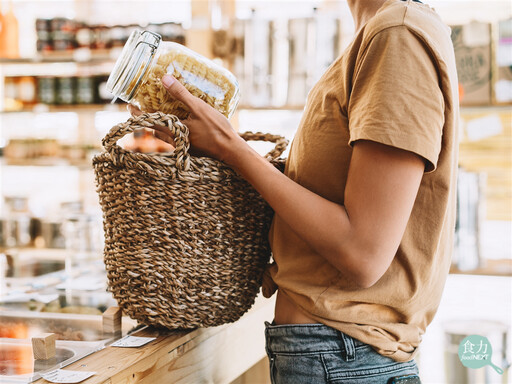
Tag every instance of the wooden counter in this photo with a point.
(208, 355)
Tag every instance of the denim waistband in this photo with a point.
(309, 338)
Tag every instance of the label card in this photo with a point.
(132, 341)
(483, 127)
(476, 34)
(62, 376)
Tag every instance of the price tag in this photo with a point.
(62, 376)
(476, 34)
(483, 127)
(132, 341)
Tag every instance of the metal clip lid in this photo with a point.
(132, 64)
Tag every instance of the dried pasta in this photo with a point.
(203, 81)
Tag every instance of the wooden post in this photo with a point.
(112, 320)
(43, 346)
(199, 36)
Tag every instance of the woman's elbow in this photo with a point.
(367, 280)
(365, 269)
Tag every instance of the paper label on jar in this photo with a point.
(62, 376)
(132, 341)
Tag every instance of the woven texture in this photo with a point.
(186, 238)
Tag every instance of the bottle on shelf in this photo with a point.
(27, 90)
(9, 34)
(2, 22)
(2, 31)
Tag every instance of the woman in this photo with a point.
(364, 213)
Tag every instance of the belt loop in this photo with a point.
(267, 339)
(349, 349)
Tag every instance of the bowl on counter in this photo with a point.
(17, 364)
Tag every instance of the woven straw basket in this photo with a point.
(185, 237)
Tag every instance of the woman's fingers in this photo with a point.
(198, 122)
(179, 92)
(160, 132)
(134, 111)
(164, 137)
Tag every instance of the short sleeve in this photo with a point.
(396, 98)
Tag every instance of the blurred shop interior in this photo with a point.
(55, 58)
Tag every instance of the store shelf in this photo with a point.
(81, 55)
(499, 267)
(55, 68)
(78, 108)
(271, 108)
(46, 162)
(478, 109)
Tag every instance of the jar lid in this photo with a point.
(132, 64)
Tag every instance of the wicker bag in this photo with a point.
(185, 237)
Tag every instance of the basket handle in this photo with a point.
(148, 120)
(180, 133)
(280, 142)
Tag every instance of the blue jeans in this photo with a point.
(316, 354)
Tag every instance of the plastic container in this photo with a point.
(145, 58)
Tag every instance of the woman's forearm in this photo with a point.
(322, 224)
(361, 237)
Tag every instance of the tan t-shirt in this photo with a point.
(395, 84)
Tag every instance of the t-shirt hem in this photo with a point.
(352, 330)
(399, 355)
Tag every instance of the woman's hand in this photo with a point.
(210, 133)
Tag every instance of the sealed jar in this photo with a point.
(145, 58)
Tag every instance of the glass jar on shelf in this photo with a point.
(85, 89)
(47, 90)
(44, 35)
(66, 90)
(145, 58)
(27, 90)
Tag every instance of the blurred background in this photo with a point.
(55, 58)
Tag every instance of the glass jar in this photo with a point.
(145, 58)
(66, 90)
(47, 90)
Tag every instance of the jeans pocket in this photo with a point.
(368, 368)
(297, 368)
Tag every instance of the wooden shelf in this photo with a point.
(477, 109)
(80, 55)
(46, 162)
(499, 108)
(78, 108)
(271, 108)
(499, 267)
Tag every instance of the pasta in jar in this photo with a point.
(145, 59)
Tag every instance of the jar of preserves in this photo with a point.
(66, 90)
(145, 58)
(85, 90)
(47, 90)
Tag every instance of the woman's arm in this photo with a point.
(359, 238)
